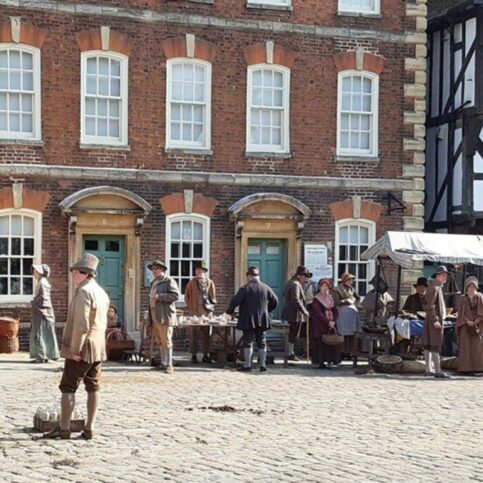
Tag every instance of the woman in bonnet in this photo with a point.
(43, 342)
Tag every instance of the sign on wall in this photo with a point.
(316, 260)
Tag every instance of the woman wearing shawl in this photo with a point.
(468, 329)
(325, 315)
(43, 342)
(114, 324)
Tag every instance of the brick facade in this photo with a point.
(309, 40)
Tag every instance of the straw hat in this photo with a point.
(347, 276)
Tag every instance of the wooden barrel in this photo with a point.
(8, 327)
(8, 345)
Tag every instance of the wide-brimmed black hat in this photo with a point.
(301, 270)
(157, 263)
(421, 281)
(253, 271)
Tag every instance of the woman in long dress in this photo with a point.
(43, 341)
(348, 322)
(324, 316)
(469, 327)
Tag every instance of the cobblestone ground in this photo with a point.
(296, 424)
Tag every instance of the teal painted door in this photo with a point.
(270, 256)
(110, 272)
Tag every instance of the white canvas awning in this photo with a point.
(407, 248)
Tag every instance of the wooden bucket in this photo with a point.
(8, 345)
(8, 327)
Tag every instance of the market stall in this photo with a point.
(408, 250)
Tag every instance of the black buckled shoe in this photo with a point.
(207, 360)
(244, 369)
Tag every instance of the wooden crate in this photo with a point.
(76, 425)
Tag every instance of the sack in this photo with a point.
(115, 348)
(332, 338)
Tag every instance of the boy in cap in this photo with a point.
(83, 345)
(163, 296)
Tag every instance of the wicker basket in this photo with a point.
(388, 363)
(8, 345)
(332, 339)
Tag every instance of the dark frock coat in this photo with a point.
(255, 301)
(470, 354)
(295, 309)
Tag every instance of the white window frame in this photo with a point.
(180, 217)
(374, 144)
(285, 131)
(37, 100)
(271, 3)
(362, 11)
(37, 217)
(124, 90)
(170, 144)
(371, 226)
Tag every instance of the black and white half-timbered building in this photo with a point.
(454, 149)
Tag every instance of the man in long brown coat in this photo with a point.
(200, 298)
(295, 311)
(435, 308)
(83, 345)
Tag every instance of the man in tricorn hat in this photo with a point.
(163, 296)
(295, 311)
(83, 345)
(200, 298)
(435, 308)
(255, 301)
(414, 302)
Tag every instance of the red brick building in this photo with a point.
(234, 131)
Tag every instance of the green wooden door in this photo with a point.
(110, 272)
(270, 256)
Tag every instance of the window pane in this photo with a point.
(27, 266)
(3, 286)
(15, 246)
(197, 250)
(91, 245)
(186, 250)
(354, 255)
(28, 246)
(354, 234)
(185, 268)
(4, 230)
(113, 246)
(342, 252)
(92, 65)
(103, 86)
(91, 85)
(15, 266)
(175, 250)
(344, 234)
(115, 87)
(115, 68)
(174, 268)
(186, 230)
(364, 235)
(102, 127)
(15, 286)
(3, 266)
(103, 66)
(3, 246)
(175, 231)
(27, 286)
